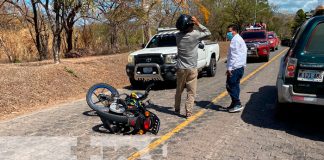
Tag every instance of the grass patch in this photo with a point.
(70, 71)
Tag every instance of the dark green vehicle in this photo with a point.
(300, 78)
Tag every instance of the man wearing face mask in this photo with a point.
(236, 61)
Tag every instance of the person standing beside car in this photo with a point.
(188, 40)
(236, 61)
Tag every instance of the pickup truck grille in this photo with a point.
(251, 45)
(149, 58)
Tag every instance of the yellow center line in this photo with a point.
(182, 125)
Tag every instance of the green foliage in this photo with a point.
(114, 26)
(17, 61)
(242, 13)
(163, 13)
(299, 19)
(70, 71)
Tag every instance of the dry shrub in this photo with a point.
(18, 44)
(223, 48)
(26, 87)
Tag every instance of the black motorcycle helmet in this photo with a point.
(184, 22)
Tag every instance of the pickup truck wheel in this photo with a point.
(211, 69)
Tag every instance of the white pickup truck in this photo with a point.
(157, 60)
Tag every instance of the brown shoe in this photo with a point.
(188, 114)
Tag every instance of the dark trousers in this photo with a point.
(233, 85)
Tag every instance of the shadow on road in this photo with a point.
(163, 85)
(90, 113)
(159, 85)
(100, 129)
(304, 121)
(163, 109)
(254, 60)
(204, 104)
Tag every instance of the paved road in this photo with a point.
(261, 131)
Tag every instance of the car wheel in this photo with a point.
(265, 58)
(211, 69)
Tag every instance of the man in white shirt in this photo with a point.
(236, 61)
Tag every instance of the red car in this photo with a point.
(274, 40)
(257, 42)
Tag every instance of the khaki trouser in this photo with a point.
(186, 78)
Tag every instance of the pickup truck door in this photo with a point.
(202, 55)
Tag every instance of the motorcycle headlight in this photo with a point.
(170, 58)
(131, 59)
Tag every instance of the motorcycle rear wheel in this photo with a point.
(100, 96)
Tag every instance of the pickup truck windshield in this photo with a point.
(270, 36)
(162, 41)
(254, 35)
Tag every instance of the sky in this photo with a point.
(292, 6)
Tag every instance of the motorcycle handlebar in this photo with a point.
(148, 89)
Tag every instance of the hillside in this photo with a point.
(31, 86)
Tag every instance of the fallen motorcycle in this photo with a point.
(128, 115)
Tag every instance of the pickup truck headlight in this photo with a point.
(131, 59)
(263, 43)
(170, 58)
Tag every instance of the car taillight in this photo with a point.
(291, 67)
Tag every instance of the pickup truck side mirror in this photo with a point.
(143, 45)
(201, 45)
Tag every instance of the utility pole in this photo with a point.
(255, 12)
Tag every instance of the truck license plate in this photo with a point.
(147, 70)
(310, 75)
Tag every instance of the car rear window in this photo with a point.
(253, 35)
(316, 41)
(168, 40)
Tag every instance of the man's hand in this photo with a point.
(229, 73)
(195, 20)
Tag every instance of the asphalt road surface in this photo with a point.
(260, 131)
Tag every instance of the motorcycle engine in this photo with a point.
(117, 108)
